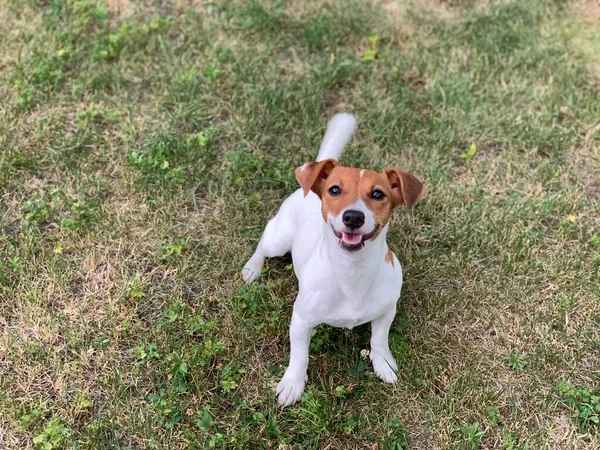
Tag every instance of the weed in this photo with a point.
(470, 153)
(83, 405)
(398, 436)
(31, 418)
(230, 376)
(472, 435)
(36, 209)
(371, 52)
(320, 338)
(52, 436)
(168, 415)
(493, 415)
(146, 352)
(516, 360)
(134, 289)
(584, 405)
(204, 420)
(171, 251)
(197, 324)
(510, 443)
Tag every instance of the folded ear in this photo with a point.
(312, 176)
(406, 188)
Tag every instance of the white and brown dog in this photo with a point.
(336, 227)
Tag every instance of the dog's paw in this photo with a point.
(385, 366)
(251, 272)
(289, 390)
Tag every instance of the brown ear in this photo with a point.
(312, 176)
(406, 188)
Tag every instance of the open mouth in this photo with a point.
(353, 241)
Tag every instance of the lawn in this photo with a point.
(144, 145)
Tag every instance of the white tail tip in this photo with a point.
(338, 134)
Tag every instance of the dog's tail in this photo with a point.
(338, 134)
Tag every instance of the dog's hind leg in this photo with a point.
(275, 241)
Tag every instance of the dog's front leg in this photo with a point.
(384, 364)
(291, 386)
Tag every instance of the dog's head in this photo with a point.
(356, 203)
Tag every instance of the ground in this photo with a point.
(144, 145)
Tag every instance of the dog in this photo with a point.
(335, 226)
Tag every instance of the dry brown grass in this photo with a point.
(112, 271)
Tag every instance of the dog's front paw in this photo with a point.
(251, 271)
(289, 390)
(385, 366)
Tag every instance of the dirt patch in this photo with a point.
(566, 437)
(398, 11)
(588, 9)
(587, 36)
(121, 8)
(583, 163)
(12, 27)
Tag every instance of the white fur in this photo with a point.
(338, 134)
(336, 287)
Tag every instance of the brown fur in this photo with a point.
(355, 187)
(389, 257)
(407, 189)
(312, 176)
(399, 188)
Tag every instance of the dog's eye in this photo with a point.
(335, 190)
(377, 194)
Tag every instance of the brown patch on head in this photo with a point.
(370, 183)
(389, 257)
(347, 179)
(356, 184)
(353, 185)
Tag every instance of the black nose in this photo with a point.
(353, 219)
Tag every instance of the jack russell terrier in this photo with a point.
(336, 227)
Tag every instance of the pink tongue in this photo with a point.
(351, 238)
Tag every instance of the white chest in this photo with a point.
(345, 294)
(350, 312)
(348, 318)
(349, 308)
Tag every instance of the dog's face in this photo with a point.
(357, 203)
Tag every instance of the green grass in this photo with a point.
(143, 149)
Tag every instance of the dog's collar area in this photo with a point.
(347, 240)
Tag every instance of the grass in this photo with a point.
(143, 146)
